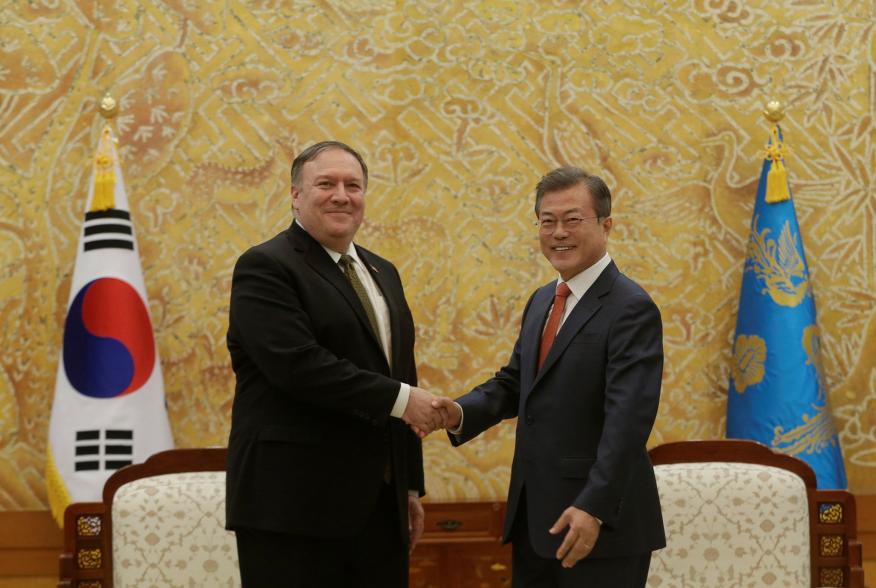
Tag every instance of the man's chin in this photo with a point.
(344, 232)
(566, 270)
(560, 265)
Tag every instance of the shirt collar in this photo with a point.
(581, 282)
(351, 250)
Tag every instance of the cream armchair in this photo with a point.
(739, 514)
(161, 523)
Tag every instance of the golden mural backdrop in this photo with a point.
(458, 107)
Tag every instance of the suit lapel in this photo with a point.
(321, 262)
(393, 304)
(581, 314)
(530, 334)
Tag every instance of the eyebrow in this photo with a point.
(335, 177)
(563, 213)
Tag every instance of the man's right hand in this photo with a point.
(419, 413)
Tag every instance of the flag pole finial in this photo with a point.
(777, 178)
(774, 111)
(108, 106)
(104, 197)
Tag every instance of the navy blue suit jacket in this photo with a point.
(584, 418)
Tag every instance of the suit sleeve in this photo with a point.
(274, 333)
(493, 401)
(633, 376)
(416, 476)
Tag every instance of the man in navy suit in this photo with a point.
(324, 473)
(584, 381)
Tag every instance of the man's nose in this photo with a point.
(340, 194)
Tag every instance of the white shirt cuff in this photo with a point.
(458, 430)
(401, 401)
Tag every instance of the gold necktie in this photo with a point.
(346, 262)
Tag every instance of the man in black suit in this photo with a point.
(324, 475)
(584, 381)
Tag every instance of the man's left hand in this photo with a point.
(581, 537)
(416, 518)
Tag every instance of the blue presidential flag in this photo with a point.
(777, 393)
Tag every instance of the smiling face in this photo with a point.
(330, 200)
(571, 249)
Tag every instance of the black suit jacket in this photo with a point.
(584, 418)
(310, 427)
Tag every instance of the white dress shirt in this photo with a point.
(579, 285)
(381, 312)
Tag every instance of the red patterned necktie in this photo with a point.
(553, 323)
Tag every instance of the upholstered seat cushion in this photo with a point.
(168, 530)
(732, 524)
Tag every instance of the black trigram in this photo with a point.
(108, 229)
(115, 448)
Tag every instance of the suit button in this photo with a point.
(529, 419)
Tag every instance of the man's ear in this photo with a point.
(295, 192)
(607, 223)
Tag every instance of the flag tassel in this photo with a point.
(104, 175)
(777, 177)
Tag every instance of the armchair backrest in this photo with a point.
(739, 514)
(161, 523)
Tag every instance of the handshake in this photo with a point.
(426, 413)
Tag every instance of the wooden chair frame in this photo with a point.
(87, 561)
(834, 548)
(835, 551)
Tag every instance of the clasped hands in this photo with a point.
(426, 412)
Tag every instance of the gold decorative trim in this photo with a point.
(830, 513)
(778, 264)
(88, 525)
(749, 355)
(831, 545)
(89, 559)
(831, 577)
